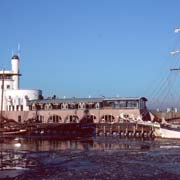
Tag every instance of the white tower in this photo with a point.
(15, 70)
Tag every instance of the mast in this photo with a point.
(175, 69)
(176, 52)
(2, 96)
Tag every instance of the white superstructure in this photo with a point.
(14, 98)
(15, 70)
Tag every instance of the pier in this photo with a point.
(125, 130)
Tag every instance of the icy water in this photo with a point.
(96, 158)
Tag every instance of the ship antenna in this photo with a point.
(19, 49)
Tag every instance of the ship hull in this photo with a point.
(62, 130)
(170, 133)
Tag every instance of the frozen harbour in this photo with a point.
(96, 158)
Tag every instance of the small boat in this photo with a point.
(10, 127)
(5, 132)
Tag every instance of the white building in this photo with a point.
(12, 98)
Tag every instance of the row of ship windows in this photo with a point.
(70, 118)
(63, 106)
(7, 87)
(69, 106)
(87, 106)
(15, 108)
(75, 119)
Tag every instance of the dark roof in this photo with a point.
(67, 100)
(89, 100)
(15, 57)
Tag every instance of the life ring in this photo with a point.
(124, 116)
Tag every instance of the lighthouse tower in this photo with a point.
(12, 98)
(15, 69)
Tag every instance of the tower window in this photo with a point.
(8, 86)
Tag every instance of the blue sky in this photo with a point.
(90, 47)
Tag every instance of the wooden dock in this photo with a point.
(124, 130)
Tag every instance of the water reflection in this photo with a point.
(14, 151)
(35, 144)
(21, 154)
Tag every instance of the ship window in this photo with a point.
(54, 118)
(132, 104)
(8, 86)
(50, 106)
(19, 118)
(97, 105)
(122, 104)
(41, 118)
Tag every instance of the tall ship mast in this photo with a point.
(176, 52)
(2, 97)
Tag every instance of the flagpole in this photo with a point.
(2, 96)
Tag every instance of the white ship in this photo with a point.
(170, 131)
(167, 129)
